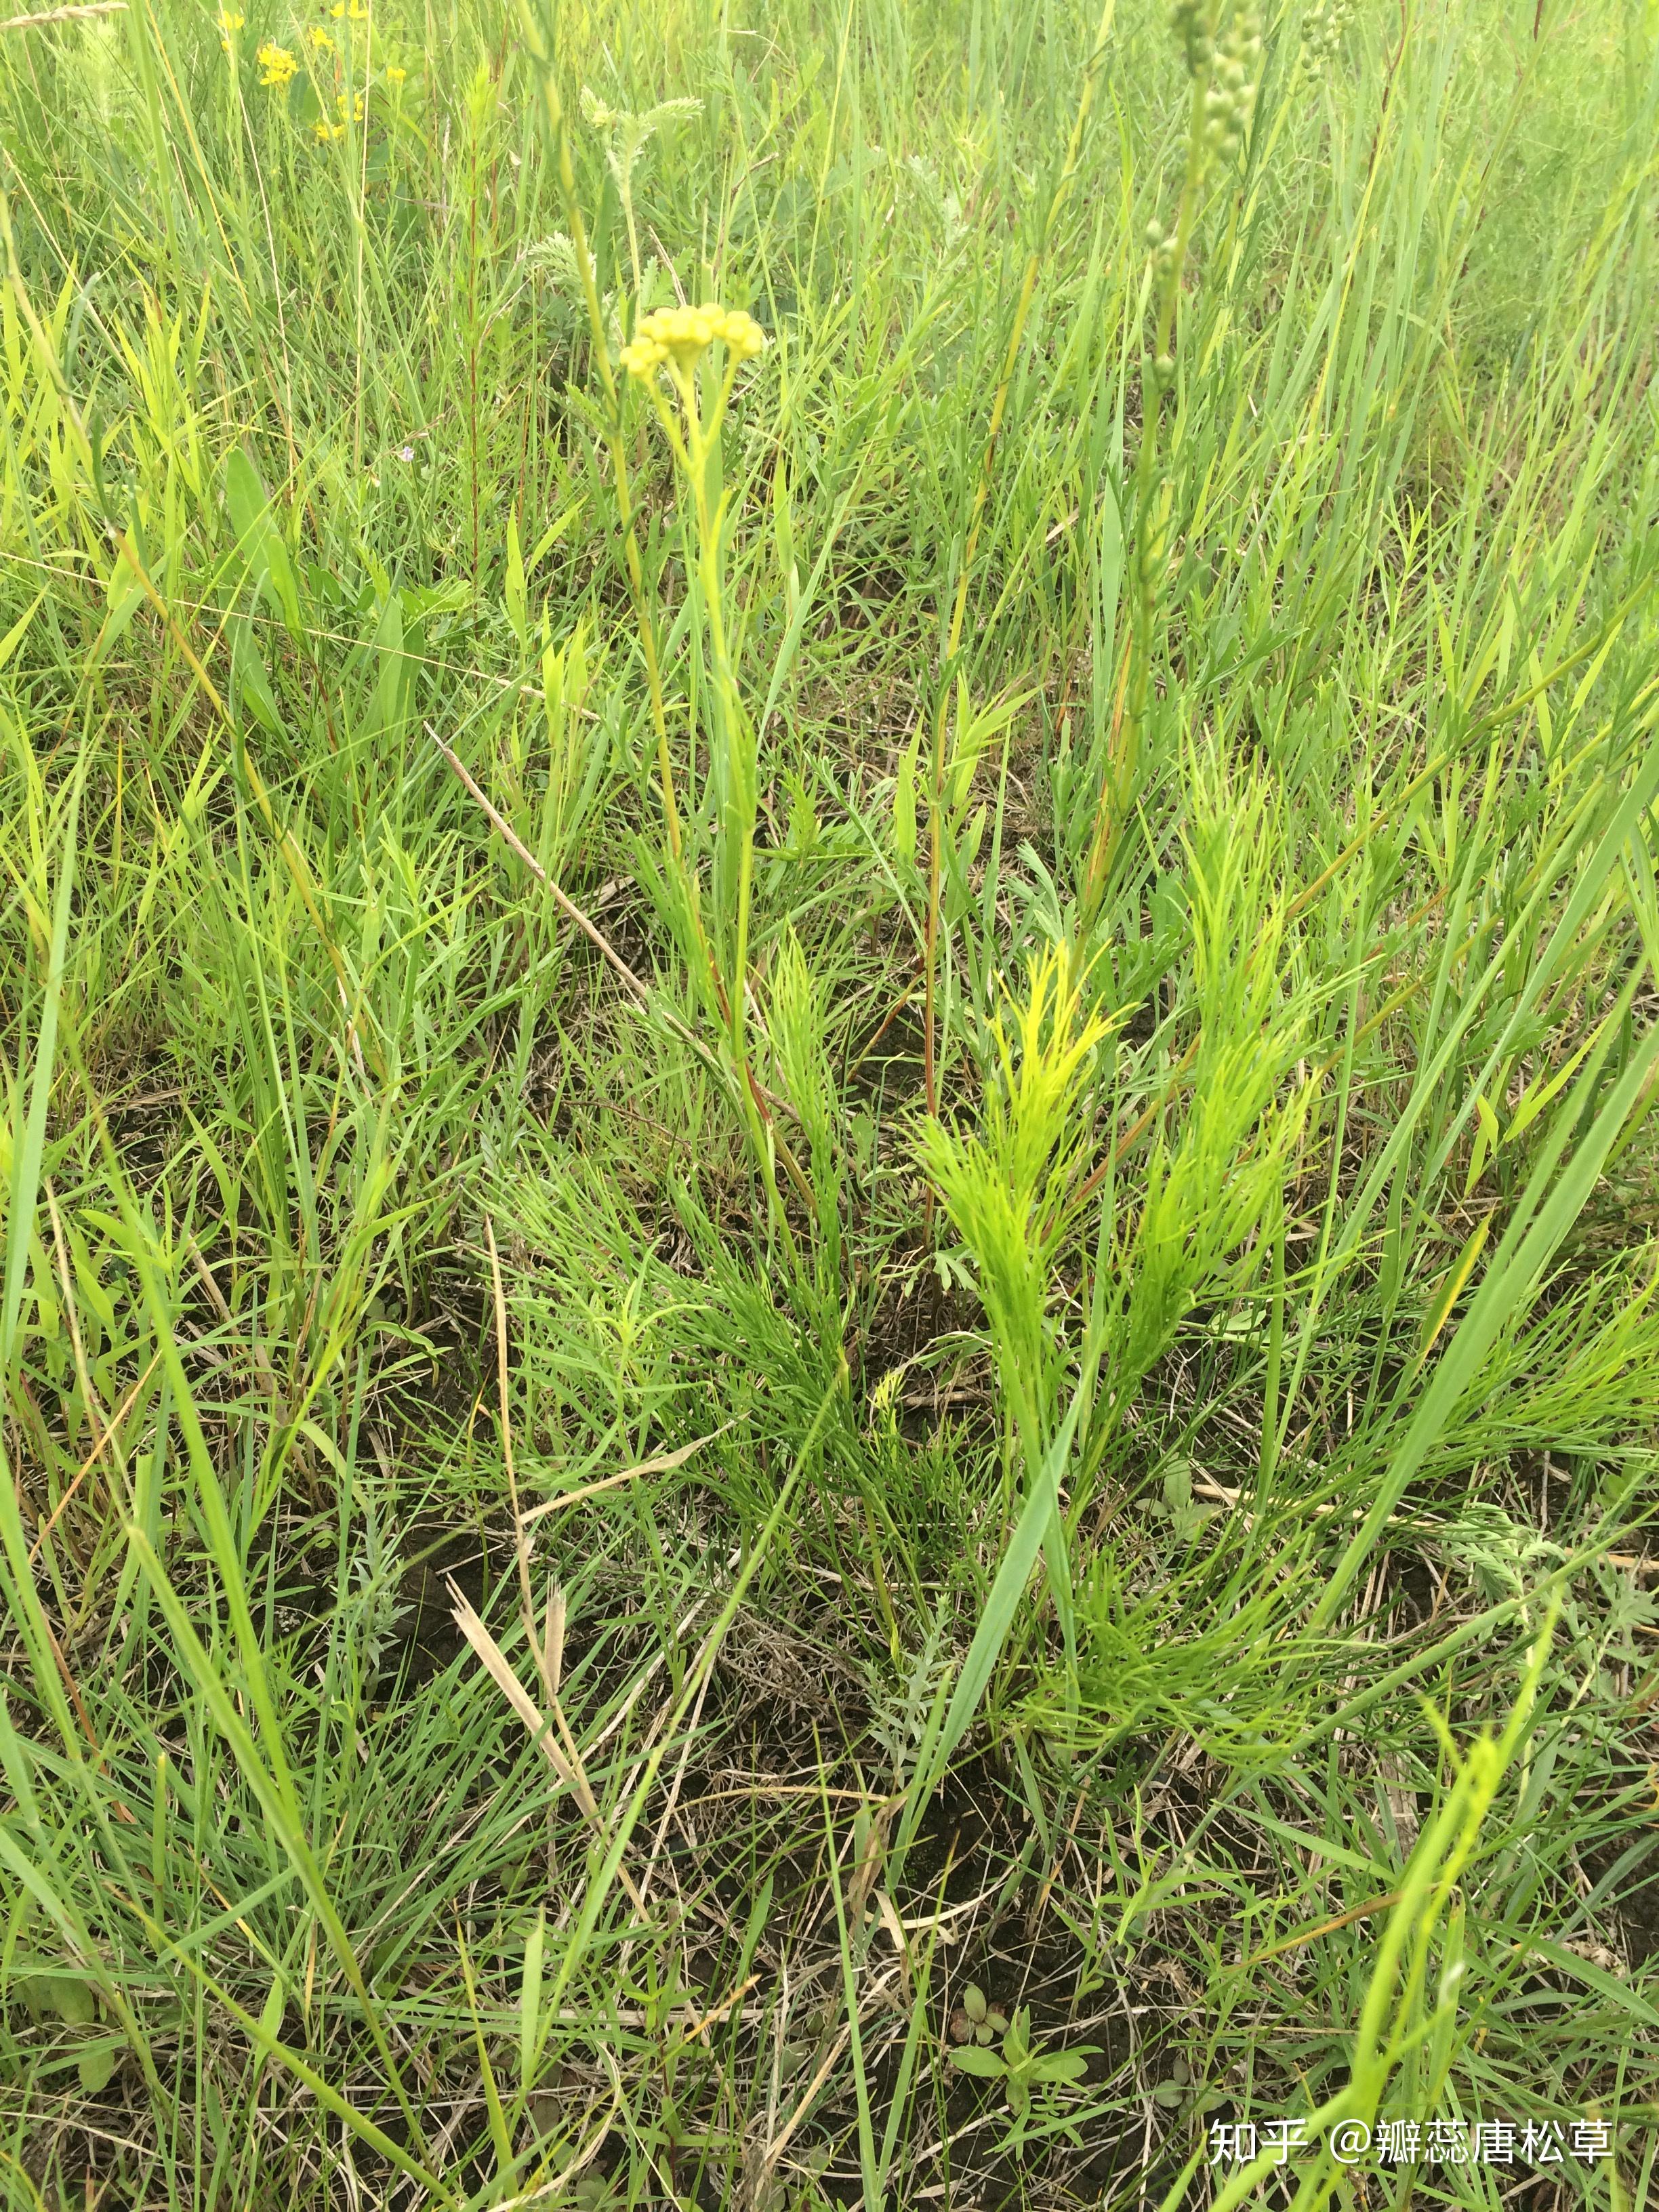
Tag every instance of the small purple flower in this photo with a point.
(406, 452)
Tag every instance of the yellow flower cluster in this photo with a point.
(319, 41)
(229, 24)
(323, 132)
(277, 65)
(356, 11)
(680, 334)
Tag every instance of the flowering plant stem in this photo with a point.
(693, 450)
(737, 813)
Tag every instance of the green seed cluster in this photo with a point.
(1161, 245)
(1230, 97)
(1192, 22)
(1229, 64)
(1323, 28)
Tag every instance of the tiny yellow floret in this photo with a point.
(277, 65)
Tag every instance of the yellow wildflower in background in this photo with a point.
(277, 65)
(229, 25)
(394, 74)
(324, 131)
(319, 39)
(353, 10)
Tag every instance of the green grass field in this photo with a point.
(827, 1299)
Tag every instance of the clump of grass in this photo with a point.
(874, 1384)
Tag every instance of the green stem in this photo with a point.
(735, 737)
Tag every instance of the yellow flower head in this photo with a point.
(351, 10)
(394, 74)
(319, 39)
(229, 24)
(277, 65)
(680, 334)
